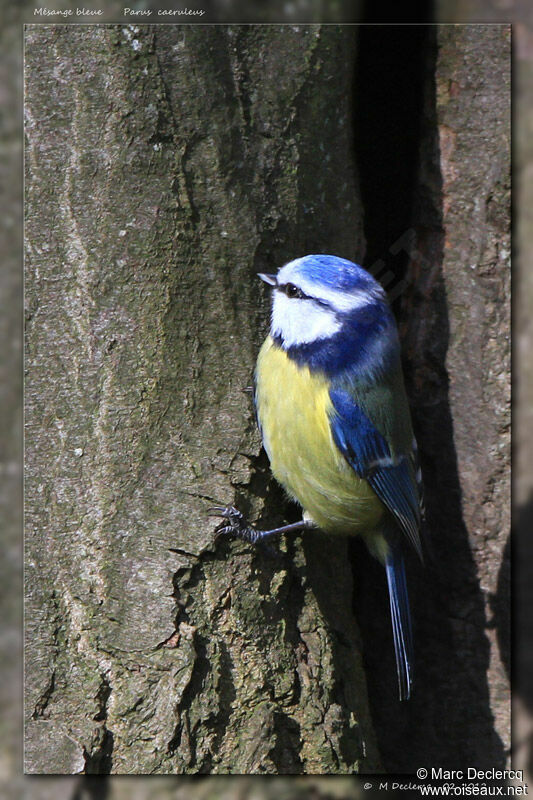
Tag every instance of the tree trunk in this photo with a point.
(453, 304)
(165, 167)
(456, 326)
(466, 423)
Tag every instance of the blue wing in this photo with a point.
(393, 478)
(396, 481)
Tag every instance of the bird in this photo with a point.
(334, 418)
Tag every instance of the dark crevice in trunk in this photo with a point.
(391, 78)
(390, 74)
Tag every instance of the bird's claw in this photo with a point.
(236, 524)
(226, 512)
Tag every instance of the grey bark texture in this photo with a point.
(165, 166)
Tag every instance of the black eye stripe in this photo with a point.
(293, 291)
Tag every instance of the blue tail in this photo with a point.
(401, 619)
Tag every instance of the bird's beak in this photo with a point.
(270, 279)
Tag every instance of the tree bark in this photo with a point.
(457, 347)
(165, 167)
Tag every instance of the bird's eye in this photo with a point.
(292, 291)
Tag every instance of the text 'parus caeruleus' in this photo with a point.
(335, 422)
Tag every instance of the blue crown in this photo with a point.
(335, 273)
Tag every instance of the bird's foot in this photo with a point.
(234, 523)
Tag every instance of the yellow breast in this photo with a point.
(293, 408)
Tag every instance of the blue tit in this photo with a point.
(334, 418)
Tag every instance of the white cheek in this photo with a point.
(301, 321)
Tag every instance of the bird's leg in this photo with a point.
(238, 526)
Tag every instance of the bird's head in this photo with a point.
(314, 297)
